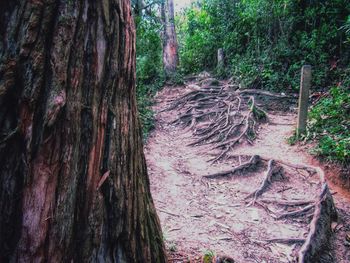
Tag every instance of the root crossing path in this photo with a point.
(226, 182)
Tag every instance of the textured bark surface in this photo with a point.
(73, 180)
(170, 47)
(317, 243)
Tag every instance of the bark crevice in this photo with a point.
(68, 116)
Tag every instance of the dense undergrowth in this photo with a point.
(330, 124)
(149, 73)
(265, 44)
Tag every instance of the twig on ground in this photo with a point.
(167, 212)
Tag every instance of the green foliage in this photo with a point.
(176, 78)
(346, 29)
(330, 123)
(149, 72)
(195, 41)
(144, 102)
(292, 139)
(266, 42)
(149, 51)
(208, 256)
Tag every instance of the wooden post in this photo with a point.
(305, 84)
(221, 58)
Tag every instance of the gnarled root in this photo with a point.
(251, 164)
(287, 241)
(296, 213)
(286, 203)
(317, 240)
(273, 172)
(220, 116)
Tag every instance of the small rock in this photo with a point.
(219, 216)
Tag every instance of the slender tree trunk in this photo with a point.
(170, 47)
(73, 180)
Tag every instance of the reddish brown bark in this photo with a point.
(73, 180)
(170, 46)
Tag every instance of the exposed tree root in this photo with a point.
(251, 164)
(220, 115)
(317, 240)
(310, 169)
(287, 241)
(273, 171)
(286, 203)
(264, 93)
(296, 213)
(223, 117)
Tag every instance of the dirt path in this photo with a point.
(200, 215)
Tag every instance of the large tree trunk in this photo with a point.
(170, 47)
(73, 180)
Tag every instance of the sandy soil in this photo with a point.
(200, 215)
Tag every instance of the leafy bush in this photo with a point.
(145, 95)
(266, 42)
(195, 41)
(330, 123)
(149, 72)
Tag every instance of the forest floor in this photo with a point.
(203, 216)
